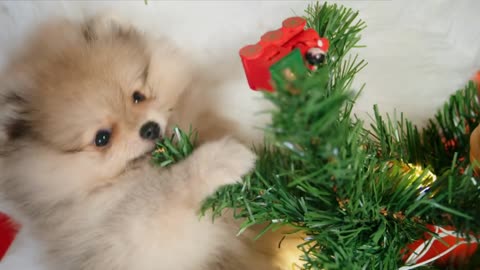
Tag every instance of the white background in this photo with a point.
(419, 52)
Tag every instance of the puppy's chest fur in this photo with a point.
(123, 227)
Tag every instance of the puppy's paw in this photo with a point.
(107, 25)
(225, 160)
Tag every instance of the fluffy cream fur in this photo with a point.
(101, 208)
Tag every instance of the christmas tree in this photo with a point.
(360, 195)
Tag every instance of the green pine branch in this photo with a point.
(172, 149)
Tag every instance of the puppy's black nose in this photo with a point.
(150, 131)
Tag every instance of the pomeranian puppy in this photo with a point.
(81, 107)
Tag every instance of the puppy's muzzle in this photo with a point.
(150, 131)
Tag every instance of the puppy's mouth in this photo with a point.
(147, 155)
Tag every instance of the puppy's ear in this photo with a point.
(170, 71)
(14, 120)
(107, 26)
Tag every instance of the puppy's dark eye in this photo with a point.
(102, 138)
(138, 97)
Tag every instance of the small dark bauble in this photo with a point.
(315, 56)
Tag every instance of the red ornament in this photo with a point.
(275, 45)
(452, 249)
(450, 144)
(476, 78)
(8, 231)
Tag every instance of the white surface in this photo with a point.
(419, 52)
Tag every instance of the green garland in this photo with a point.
(360, 195)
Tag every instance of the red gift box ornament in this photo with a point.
(275, 45)
(447, 249)
(8, 231)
